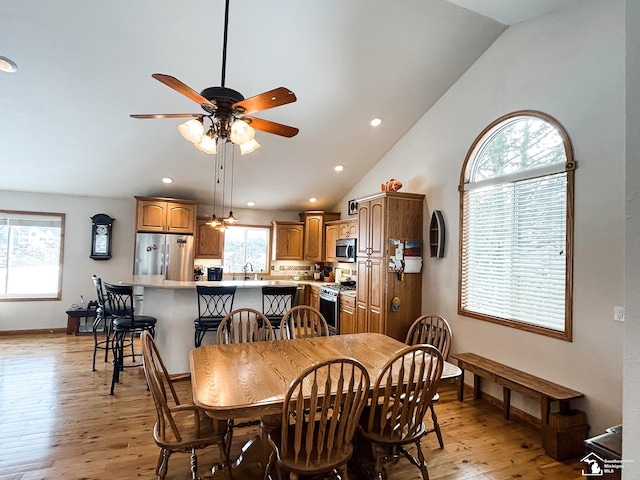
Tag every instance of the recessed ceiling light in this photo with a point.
(313, 199)
(167, 180)
(250, 204)
(375, 122)
(338, 168)
(7, 65)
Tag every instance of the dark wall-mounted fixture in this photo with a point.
(436, 234)
(353, 207)
(101, 232)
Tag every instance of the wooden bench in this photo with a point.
(513, 379)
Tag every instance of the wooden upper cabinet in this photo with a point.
(165, 215)
(332, 233)
(288, 240)
(181, 217)
(314, 233)
(152, 216)
(209, 240)
(348, 229)
(371, 233)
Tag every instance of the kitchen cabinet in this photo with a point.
(347, 314)
(371, 216)
(335, 230)
(348, 228)
(331, 235)
(314, 233)
(382, 217)
(314, 297)
(288, 241)
(167, 215)
(209, 241)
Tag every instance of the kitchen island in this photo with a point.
(175, 305)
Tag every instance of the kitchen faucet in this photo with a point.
(245, 269)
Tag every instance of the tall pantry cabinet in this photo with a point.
(381, 218)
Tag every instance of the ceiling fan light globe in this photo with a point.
(192, 130)
(206, 144)
(241, 132)
(248, 147)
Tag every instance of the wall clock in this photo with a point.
(101, 232)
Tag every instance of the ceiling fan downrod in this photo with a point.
(224, 42)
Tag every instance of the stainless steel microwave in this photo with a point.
(346, 250)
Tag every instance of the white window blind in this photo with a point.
(513, 251)
(516, 239)
(31, 246)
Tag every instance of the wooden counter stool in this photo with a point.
(214, 303)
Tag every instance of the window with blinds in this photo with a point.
(517, 224)
(31, 246)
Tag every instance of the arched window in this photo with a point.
(516, 219)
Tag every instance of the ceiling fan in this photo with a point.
(227, 110)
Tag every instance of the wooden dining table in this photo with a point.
(250, 380)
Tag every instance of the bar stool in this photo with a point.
(124, 321)
(214, 303)
(103, 317)
(276, 301)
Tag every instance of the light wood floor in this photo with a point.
(58, 421)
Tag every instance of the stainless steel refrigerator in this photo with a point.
(166, 254)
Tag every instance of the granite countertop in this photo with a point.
(157, 281)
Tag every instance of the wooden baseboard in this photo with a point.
(38, 331)
(497, 402)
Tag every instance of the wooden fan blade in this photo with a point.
(264, 101)
(185, 90)
(167, 115)
(272, 127)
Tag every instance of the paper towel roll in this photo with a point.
(412, 264)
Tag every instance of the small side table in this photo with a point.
(73, 319)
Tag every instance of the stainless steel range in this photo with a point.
(329, 304)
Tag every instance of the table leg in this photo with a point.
(506, 400)
(73, 325)
(477, 392)
(254, 456)
(545, 409)
(461, 387)
(268, 423)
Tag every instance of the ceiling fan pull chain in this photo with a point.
(224, 42)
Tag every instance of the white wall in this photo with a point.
(631, 432)
(77, 267)
(571, 66)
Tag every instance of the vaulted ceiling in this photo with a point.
(84, 66)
